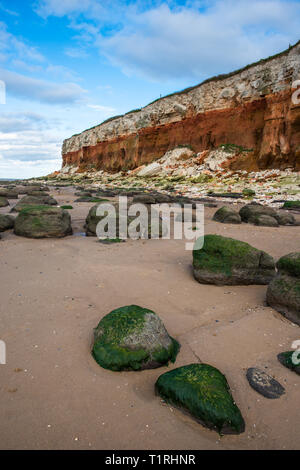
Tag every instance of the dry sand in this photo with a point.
(53, 395)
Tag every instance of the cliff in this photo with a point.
(251, 108)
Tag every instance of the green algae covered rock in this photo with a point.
(34, 201)
(202, 391)
(6, 222)
(43, 222)
(133, 338)
(3, 202)
(226, 215)
(292, 205)
(283, 293)
(226, 261)
(287, 359)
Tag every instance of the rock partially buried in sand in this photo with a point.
(43, 222)
(34, 201)
(283, 293)
(133, 338)
(6, 222)
(291, 360)
(264, 383)
(3, 202)
(226, 215)
(225, 261)
(203, 391)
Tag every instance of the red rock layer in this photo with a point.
(270, 126)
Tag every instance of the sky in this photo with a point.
(66, 65)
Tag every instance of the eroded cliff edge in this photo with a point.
(251, 108)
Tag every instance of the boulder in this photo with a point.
(252, 211)
(3, 202)
(34, 201)
(283, 293)
(144, 199)
(6, 222)
(150, 170)
(263, 220)
(133, 338)
(292, 205)
(264, 384)
(291, 360)
(285, 219)
(226, 261)
(226, 215)
(43, 222)
(202, 391)
(93, 219)
(9, 193)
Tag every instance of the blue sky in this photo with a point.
(70, 64)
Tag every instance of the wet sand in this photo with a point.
(53, 395)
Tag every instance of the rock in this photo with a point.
(264, 383)
(285, 219)
(150, 170)
(226, 215)
(133, 338)
(292, 205)
(287, 359)
(247, 192)
(3, 202)
(225, 261)
(251, 212)
(43, 222)
(283, 293)
(37, 193)
(161, 198)
(202, 391)
(227, 195)
(263, 220)
(34, 201)
(6, 222)
(9, 193)
(144, 199)
(93, 219)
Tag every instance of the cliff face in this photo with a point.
(252, 108)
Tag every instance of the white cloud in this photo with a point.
(165, 44)
(13, 48)
(41, 90)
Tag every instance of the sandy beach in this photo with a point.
(53, 395)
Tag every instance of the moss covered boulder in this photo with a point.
(6, 222)
(283, 293)
(291, 360)
(34, 201)
(202, 391)
(133, 338)
(43, 222)
(226, 215)
(9, 193)
(226, 261)
(3, 202)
